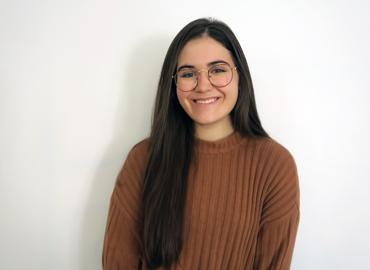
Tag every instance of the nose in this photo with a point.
(203, 83)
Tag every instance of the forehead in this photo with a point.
(201, 51)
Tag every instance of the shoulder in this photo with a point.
(269, 151)
(140, 150)
(274, 164)
(129, 181)
(135, 163)
(278, 178)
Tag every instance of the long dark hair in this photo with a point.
(171, 144)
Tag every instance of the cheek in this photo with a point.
(232, 92)
(235, 94)
(231, 99)
(182, 97)
(235, 90)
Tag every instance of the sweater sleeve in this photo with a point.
(280, 213)
(122, 241)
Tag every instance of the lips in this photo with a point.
(206, 100)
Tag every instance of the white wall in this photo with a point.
(77, 84)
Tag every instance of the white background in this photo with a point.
(77, 86)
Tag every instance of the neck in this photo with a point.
(214, 132)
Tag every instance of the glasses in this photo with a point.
(219, 75)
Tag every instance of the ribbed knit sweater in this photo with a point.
(242, 207)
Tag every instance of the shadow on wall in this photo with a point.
(134, 111)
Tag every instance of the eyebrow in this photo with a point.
(209, 64)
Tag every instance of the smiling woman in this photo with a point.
(214, 92)
(209, 189)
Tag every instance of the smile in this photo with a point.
(206, 101)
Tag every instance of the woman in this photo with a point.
(209, 189)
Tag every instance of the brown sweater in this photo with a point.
(242, 208)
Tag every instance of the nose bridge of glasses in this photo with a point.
(199, 71)
(206, 78)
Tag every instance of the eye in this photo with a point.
(218, 69)
(186, 73)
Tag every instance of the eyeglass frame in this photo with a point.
(207, 69)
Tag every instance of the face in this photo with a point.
(206, 104)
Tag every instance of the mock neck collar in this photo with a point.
(222, 145)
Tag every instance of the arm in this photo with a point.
(122, 241)
(280, 214)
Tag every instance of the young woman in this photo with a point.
(208, 189)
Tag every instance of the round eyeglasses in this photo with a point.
(219, 75)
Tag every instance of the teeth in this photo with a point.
(206, 101)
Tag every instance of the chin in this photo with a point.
(204, 121)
